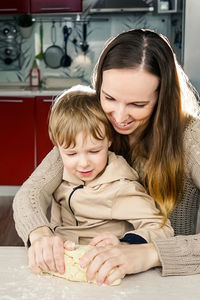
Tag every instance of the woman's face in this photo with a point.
(128, 97)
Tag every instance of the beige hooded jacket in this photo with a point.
(114, 202)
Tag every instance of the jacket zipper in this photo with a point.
(69, 200)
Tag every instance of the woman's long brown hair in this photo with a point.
(159, 143)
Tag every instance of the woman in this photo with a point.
(142, 90)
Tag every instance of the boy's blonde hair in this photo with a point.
(77, 110)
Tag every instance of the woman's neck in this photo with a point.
(131, 139)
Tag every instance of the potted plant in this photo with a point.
(25, 24)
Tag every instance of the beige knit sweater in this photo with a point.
(179, 255)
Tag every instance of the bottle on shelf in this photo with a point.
(35, 75)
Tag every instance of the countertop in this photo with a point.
(17, 282)
(52, 86)
(12, 91)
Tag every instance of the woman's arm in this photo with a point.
(179, 255)
(124, 258)
(33, 198)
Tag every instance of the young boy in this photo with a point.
(100, 200)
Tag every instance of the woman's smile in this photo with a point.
(126, 125)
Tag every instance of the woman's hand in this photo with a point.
(46, 252)
(123, 258)
(104, 239)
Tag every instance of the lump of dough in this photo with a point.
(73, 271)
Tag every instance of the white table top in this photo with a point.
(18, 282)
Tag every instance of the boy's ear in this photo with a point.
(109, 144)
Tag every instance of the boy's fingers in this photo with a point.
(69, 245)
(99, 238)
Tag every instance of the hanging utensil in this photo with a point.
(75, 38)
(41, 54)
(54, 53)
(82, 60)
(9, 53)
(66, 59)
(84, 45)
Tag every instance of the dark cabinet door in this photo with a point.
(17, 134)
(14, 6)
(43, 143)
(48, 6)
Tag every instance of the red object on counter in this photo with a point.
(35, 75)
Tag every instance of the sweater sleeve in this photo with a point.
(179, 255)
(34, 197)
(134, 205)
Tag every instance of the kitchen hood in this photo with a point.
(118, 6)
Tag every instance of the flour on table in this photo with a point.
(73, 271)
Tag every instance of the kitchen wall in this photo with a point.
(192, 42)
(99, 29)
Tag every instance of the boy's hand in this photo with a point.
(69, 245)
(104, 239)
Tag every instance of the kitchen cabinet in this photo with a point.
(43, 143)
(56, 6)
(14, 6)
(38, 6)
(17, 135)
(24, 136)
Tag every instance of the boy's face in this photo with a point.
(87, 159)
